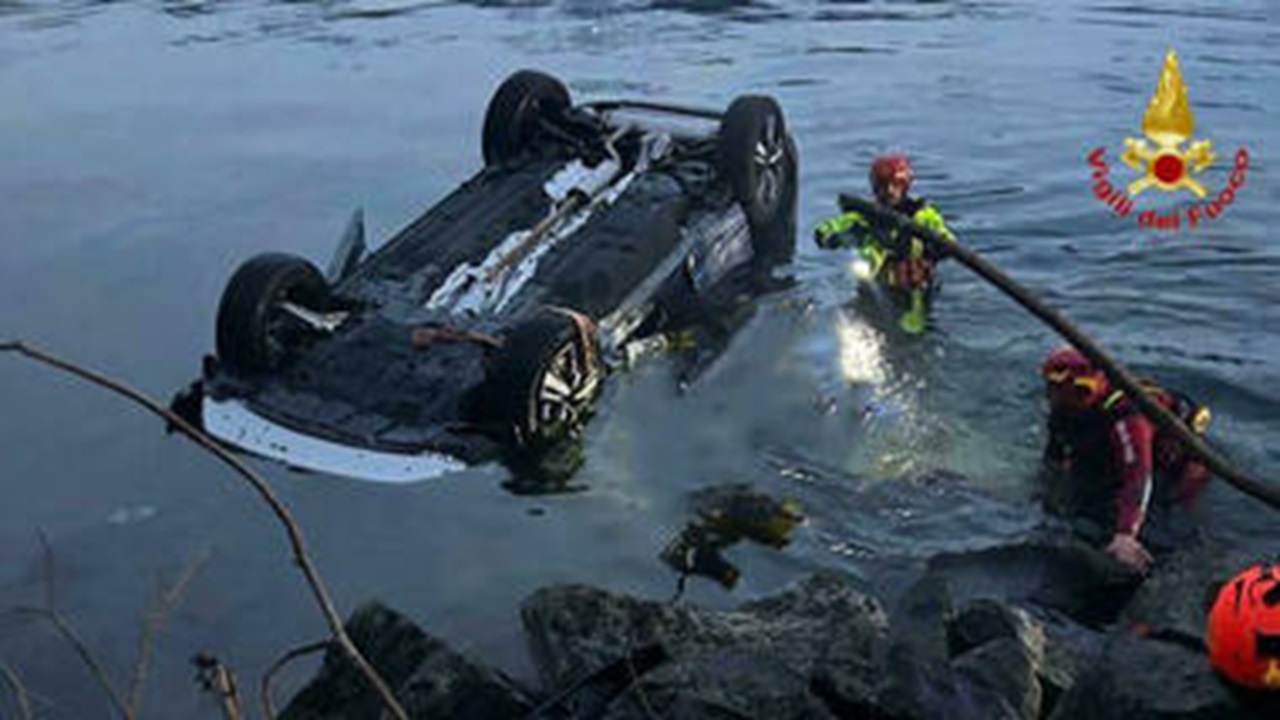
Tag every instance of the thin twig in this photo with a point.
(20, 695)
(294, 533)
(268, 707)
(63, 626)
(154, 621)
(216, 678)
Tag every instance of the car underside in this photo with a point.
(485, 328)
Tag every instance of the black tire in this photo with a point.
(533, 415)
(753, 156)
(250, 335)
(511, 123)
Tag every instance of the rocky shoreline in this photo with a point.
(1028, 631)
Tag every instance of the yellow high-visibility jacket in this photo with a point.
(852, 229)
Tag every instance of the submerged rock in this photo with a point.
(723, 515)
(738, 511)
(429, 678)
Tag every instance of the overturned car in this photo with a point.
(484, 329)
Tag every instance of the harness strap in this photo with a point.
(1193, 414)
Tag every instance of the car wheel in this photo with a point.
(253, 330)
(775, 243)
(545, 380)
(753, 156)
(512, 121)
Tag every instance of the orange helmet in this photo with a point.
(1073, 379)
(1243, 632)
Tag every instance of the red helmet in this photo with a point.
(1073, 378)
(1243, 633)
(889, 167)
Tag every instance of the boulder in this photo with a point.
(1143, 679)
(721, 683)
(1009, 668)
(979, 663)
(1064, 575)
(430, 679)
(983, 621)
(917, 689)
(1069, 649)
(753, 662)
(920, 620)
(1177, 596)
(1002, 648)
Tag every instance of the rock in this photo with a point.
(430, 679)
(722, 683)
(1069, 648)
(981, 662)
(918, 679)
(1009, 667)
(849, 677)
(447, 685)
(920, 620)
(755, 661)
(1177, 595)
(983, 621)
(573, 630)
(851, 691)
(1067, 576)
(1002, 648)
(1143, 679)
(930, 690)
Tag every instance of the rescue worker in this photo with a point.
(1110, 458)
(903, 267)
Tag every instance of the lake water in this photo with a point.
(148, 146)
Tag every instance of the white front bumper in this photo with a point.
(233, 422)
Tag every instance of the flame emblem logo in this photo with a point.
(1167, 124)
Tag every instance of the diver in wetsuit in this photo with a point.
(903, 267)
(1108, 459)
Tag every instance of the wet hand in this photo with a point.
(1128, 550)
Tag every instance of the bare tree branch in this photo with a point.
(268, 707)
(20, 695)
(51, 613)
(50, 578)
(216, 678)
(264, 491)
(154, 621)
